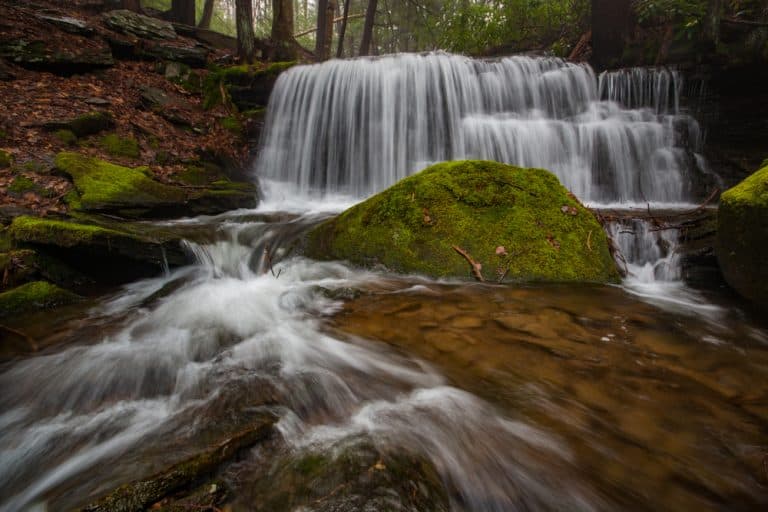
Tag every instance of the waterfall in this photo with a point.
(649, 253)
(357, 126)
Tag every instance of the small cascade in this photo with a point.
(649, 253)
(357, 126)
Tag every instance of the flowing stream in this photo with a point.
(540, 397)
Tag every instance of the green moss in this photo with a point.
(219, 79)
(194, 175)
(102, 185)
(742, 237)
(477, 206)
(233, 124)
(34, 296)
(56, 232)
(115, 145)
(21, 185)
(67, 137)
(6, 160)
(90, 124)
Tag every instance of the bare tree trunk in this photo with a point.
(370, 16)
(205, 20)
(183, 11)
(324, 38)
(246, 41)
(611, 24)
(131, 5)
(711, 30)
(342, 30)
(282, 30)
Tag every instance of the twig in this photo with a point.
(589, 240)
(472, 263)
(268, 260)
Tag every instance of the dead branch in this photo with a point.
(476, 267)
(335, 20)
(32, 343)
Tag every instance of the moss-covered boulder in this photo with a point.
(742, 237)
(108, 254)
(519, 224)
(102, 186)
(32, 297)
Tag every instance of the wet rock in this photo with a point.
(32, 297)
(351, 476)
(142, 494)
(742, 237)
(84, 125)
(417, 225)
(144, 27)
(110, 254)
(68, 24)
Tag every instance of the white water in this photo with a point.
(357, 126)
(169, 365)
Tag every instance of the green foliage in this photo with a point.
(115, 145)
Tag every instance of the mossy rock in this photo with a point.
(6, 160)
(246, 86)
(518, 223)
(115, 145)
(103, 186)
(742, 237)
(67, 137)
(107, 254)
(32, 297)
(349, 476)
(233, 124)
(83, 125)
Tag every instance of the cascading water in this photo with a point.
(358, 126)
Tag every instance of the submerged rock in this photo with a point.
(742, 237)
(350, 476)
(511, 223)
(34, 296)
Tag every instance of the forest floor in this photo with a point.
(51, 73)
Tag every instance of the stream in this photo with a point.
(647, 395)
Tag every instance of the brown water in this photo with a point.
(660, 411)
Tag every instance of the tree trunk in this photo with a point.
(325, 9)
(282, 30)
(246, 41)
(131, 5)
(205, 20)
(370, 15)
(711, 27)
(342, 30)
(611, 23)
(183, 11)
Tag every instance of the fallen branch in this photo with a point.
(476, 267)
(335, 20)
(268, 260)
